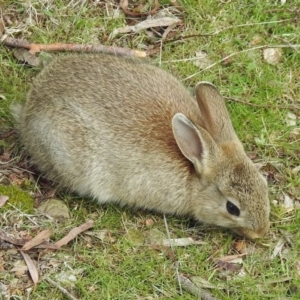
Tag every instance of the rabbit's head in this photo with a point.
(232, 193)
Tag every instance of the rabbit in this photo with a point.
(121, 130)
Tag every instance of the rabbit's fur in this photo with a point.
(118, 129)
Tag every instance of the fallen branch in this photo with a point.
(63, 290)
(34, 48)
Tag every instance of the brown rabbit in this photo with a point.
(120, 130)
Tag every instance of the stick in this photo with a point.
(59, 287)
(34, 48)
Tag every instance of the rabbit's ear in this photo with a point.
(196, 145)
(214, 113)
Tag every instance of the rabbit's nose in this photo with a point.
(251, 234)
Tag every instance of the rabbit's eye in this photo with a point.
(232, 209)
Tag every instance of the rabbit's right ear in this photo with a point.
(214, 113)
(196, 145)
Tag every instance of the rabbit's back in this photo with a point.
(102, 124)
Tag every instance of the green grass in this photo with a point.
(124, 266)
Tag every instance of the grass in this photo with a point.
(123, 266)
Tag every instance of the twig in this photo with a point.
(124, 6)
(59, 287)
(189, 286)
(34, 48)
(239, 52)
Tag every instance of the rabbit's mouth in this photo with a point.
(251, 234)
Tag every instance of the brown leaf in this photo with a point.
(37, 240)
(232, 257)
(31, 267)
(148, 23)
(239, 246)
(74, 232)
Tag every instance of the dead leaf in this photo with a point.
(3, 200)
(288, 203)
(21, 242)
(24, 55)
(235, 257)
(240, 246)
(38, 239)
(272, 55)
(148, 23)
(74, 232)
(278, 247)
(31, 267)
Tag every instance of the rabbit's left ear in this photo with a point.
(196, 145)
(215, 116)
